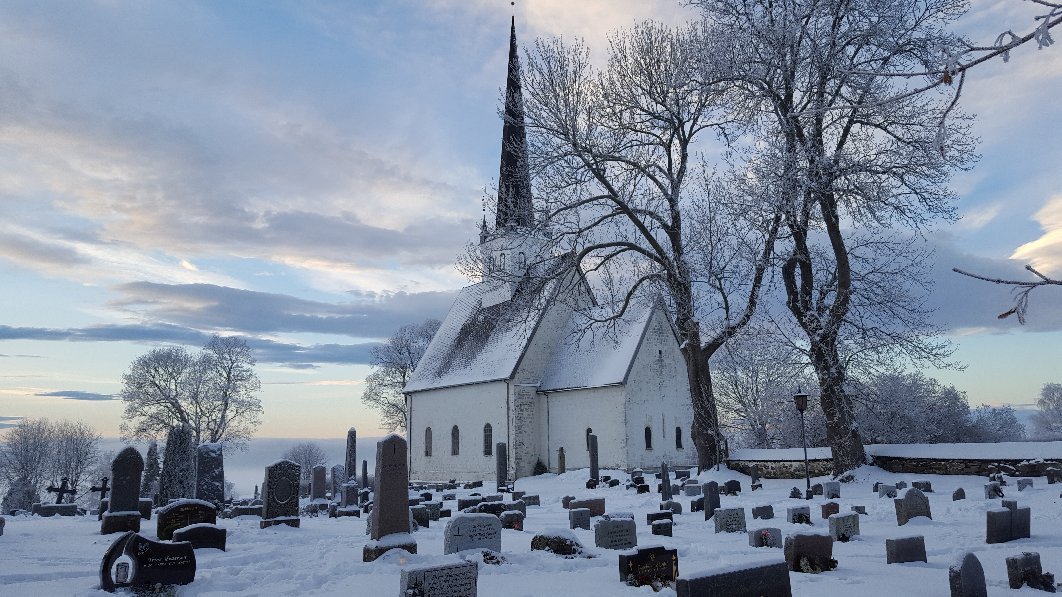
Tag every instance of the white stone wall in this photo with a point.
(571, 413)
(470, 408)
(658, 397)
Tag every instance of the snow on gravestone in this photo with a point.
(472, 531)
(966, 577)
(905, 549)
(653, 566)
(579, 518)
(447, 580)
(743, 580)
(389, 525)
(137, 562)
(182, 513)
(844, 526)
(280, 494)
(730, 520)
(124, 507)
(616, 533)
(210, 474)
(711, 499)
(913, 503)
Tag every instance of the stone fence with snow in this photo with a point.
(1029, 459)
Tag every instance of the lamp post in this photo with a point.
(800, 399)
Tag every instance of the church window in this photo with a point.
(648, 438)
(589, 431)
(488, 440)
(678, 438)
(427, 442)
(455, 441)
(501, 262)
(521, 261)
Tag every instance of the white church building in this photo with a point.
(517, 361)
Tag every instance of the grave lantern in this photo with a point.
(800, 399)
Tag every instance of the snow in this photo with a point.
(599, 357)
(61, 555)
(1000, 451)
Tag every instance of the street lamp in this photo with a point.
(800, 399)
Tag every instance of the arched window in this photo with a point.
(521, 262)
(455, 441)
(501, 262)
(589, 432)
(488, 440)
(678, 438)
(427, 442)
(648, 438)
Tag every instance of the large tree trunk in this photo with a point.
(705, 431)
(841, 431)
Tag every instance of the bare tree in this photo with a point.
(25, 454)
(394, 361)
(307, 455)
(614, 154)
(858, 159)
(213, 392)
(1048, 419)
(1021, 289)
(74, 451)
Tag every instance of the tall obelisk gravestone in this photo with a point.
(390, 508)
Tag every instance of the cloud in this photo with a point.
(1045, 253)
(978, 217)
(19, 356)
(78, 395)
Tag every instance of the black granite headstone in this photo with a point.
(655, 566)
(135, 561)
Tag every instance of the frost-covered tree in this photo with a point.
(393, 362)
(213, 392)
(25, 459)
(615, 157)
(909, 407)
(307, 455)
(74, 452)
(1048, 418)
(996, 424)
(177, 479)
(152, 470)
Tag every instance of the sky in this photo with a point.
(306, 174)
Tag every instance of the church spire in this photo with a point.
(514, 180)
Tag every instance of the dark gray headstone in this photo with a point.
(579, 518)
(501, 465)
(1025, 569)
(844, 526)
(665, 483)
(472, 531)
(809, 552)
(202, 536)
(732, 487)
(447, 580)
(730, 520)
(901, 485)
(561, 468)
(913, 503)
(123, 509)
(960, 494)
(139, 563)
(652, 517)
(886, 490)
(594, 471)
(753, 580)
(210, 474)
(182, 513)
(662, 528)
(1024, 484)
(350, 462)
(711, 499)
(905, 549)
(317, 483)
(280, 494)
(421, 516)
(616, 533)
(177, 479)
(691, 488)
(765, 537)
(923, 486)
(831, 490)
(595, 505)
(391, 494)
(653, 566)
(798, 515)
(966, 577)
(364, 473)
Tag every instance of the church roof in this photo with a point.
(598, 355)
(476, 343)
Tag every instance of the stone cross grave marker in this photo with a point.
(616, 533)
(730, 520)
(446, 580)
(124, 504)
(913, 503)
(280, 494)
(102, 488)
(472, 531)
(63, 490)
(966, 577)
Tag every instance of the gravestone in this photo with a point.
(123, 509)
(652, 517)
(859, 509)
(446, 580)
(469, 502)
(139, 563)
(202, 536)
(594, 472)
(421, 516)
(831, 490)
(662, 527)
(364, 473)
(923, 486)
(1025, 569)
(501, 465)
(177, 479)
(62, 491)
(901, 485)
(513, 519)
(809, 552)
(2, 522)
(390, 512)
(559, 542)
(654, 566)
(579, 518)
(616, 533)
(844, 526)
(888, 491)
(317, 484)
(697, 504)
(905, 549)
(336, 478)
(829, 509)
(913, 503)
(182, 513)
(794, 494)
(1008, 523)
(798, 515)
(517, 494)
(60, 509)
(665, 483)
(566, 501)
(993, 490)
(145, 508)
(754, 478)
(280, 494)
(711, 499)
(816, 489)
(732, 487)
(765, 537)
(350, 460)
(765, 512)
(210, 474)
(102, 488)
(596, 505)
(966, 577)
(472, 531)
(960, 494)
(730, 520)
(691, 488)
(747, 580)
(1024, 484)
(434, 509)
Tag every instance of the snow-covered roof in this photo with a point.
(598, 355)
(478, 343)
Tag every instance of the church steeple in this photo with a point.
(514, 179)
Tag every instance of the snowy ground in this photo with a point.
(61, 556)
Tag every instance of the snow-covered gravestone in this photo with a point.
(183, 513)
(769, 578)
(472, 531)
(178, 466)
(844, 526)
(280, 494)
(905, 549)
(389, 526)
(616, 533)
(447, 580)
(730, 520)
(124, 507)
(831, 490)
(913, 503)
(966, 577)
(210, 474)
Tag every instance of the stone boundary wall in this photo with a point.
(782, 469)
(794, 469)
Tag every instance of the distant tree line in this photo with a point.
(37, 453)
